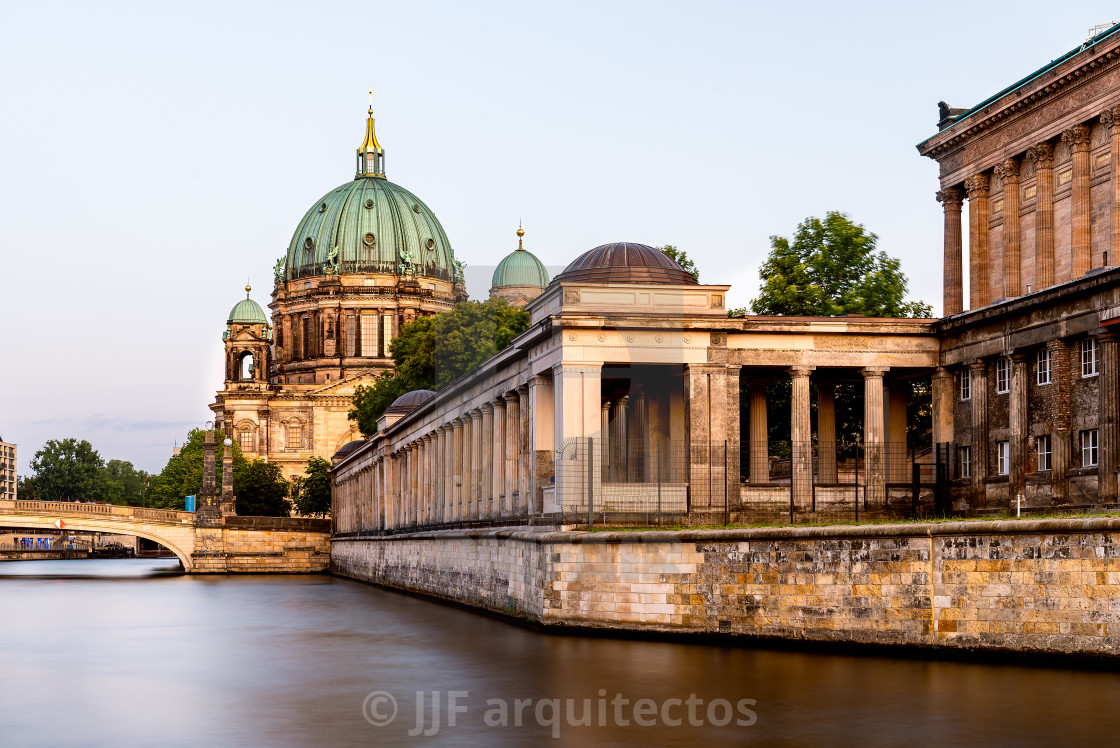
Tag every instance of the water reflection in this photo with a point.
(130, 652)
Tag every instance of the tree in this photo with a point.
(831, 268)
(686, 264)
(27, 488)
(182, 476)
(431, 352)
(313, 499)
(68, 470)
(261, 490)
(124, 484)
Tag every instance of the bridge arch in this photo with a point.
(176, 537)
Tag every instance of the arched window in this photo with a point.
(295, 435)
(245, 439)
(246, 366)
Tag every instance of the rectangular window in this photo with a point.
(1089, 448)
(965, 454)
(245, 439)
(1089, 366)
(1043, 444)
(352, 335)
(1043, 367)
(1003, 376)
(295, 436)
(387, 335)
(1003, 458)
(305, 347)
(966, 384)
(369, 334)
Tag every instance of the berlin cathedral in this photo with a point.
(366, 258)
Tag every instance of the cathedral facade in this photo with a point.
(366, 258)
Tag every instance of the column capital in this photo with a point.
(1077, 137)
(476, 414)
(796, 372)
(977, 186)
(1018, 356)
(1042, 154)
(510, 397)
(870, 372)
(486, 408)
(1008, 170)
(523, 390)
(1107, 334)
(977, 365)
(1111, 118)
(950, 197)
(606, 405)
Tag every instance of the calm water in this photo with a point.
(127, 653)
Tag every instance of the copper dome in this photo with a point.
(624, 262)
(410, 401)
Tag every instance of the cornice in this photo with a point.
(1057, 82)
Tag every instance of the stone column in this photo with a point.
(978, 371)
(826, 432)
(875, 474)
(476, 464)
(438, 496)
(1008, 172)
(1019, 426)
(713, 418)
(497, 466)
(1062, 415)
(944, 401)
(801, 438)
(1043, 157)
(458, 443)
(488, 489)
(953, 294)
(1108, 424)
(515, 500)
(578, 397)
(524, 452)
(622, 439)
(759, 445)
(1078, 139)
(979, 293)
(1110, 118)
(605, 430)
(449, 472)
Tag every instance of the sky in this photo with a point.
(156, 155)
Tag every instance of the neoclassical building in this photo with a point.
(520, 277)
(365, 258)
(1026, 394)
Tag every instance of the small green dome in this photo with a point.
(247, 312)
(520, 268)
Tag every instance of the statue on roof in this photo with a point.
(331, 265)
(408, 267)
(278, 269)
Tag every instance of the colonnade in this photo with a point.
(977, 188)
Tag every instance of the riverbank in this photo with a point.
(1049, 586)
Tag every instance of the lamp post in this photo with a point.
(228, 504)
(208, 513)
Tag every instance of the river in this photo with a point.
(131, 653)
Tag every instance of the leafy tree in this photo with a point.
(182, 476)
(124, 484)
(831, 268)
(313, 498)
(261, 490)
(27, 488)
(431, 352)
(68, 470)
(679, 255)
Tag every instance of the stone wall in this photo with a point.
(1048, 586)
(232, 551)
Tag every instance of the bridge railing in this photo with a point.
(21, 506)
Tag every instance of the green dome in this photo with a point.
(247, 312)
(519, 268)
(376, 226)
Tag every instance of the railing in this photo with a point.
(114, 511)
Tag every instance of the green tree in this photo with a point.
(27, 488)
(182, 476)
(313, 499)
(686, 264)
(261, 491)
(431, 352)
(69, 470)
(124, 484)
(831, 268)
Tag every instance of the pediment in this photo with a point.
(348, 385)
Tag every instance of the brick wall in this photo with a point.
(1043, 585)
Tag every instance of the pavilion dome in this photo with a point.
(247, 312)
(376, 226)
(625, 262)
(410, 401)
(520, 268)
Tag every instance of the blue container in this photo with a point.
(189, 504)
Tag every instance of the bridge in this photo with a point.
(236, 544)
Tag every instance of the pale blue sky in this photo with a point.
(157, 154)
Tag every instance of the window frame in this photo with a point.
(1090, 448)
(243, 435)
(1003, 458)
(1042, 356)
(297, 429)
(1090, 358)
(964, 460)
(966, 384)
(1044, 450)
(1003, 375)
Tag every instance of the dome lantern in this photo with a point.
(371, 156)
